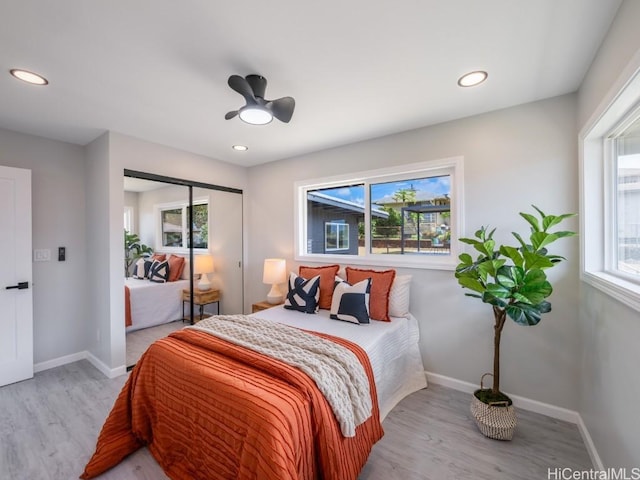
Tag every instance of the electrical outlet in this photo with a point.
(62, 254)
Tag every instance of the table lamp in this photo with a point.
(274, 273)
(203, 266)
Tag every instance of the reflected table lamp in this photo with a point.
(203, 267)
(274, 273)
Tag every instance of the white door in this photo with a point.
(16, 308)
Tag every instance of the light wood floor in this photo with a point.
(49, 426)
(139, 340)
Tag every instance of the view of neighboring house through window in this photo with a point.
(627, 200)
(418, 213)
(174, 230)
(388, 213)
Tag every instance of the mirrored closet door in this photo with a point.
(183, 256)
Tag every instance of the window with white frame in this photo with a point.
(404, 216)
(173, 228)
(128, 219)
(610, 213)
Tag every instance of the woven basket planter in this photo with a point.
(495, 420)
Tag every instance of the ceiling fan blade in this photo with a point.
(231, 114)
(282, 108)
(258, 84)
(240, 85)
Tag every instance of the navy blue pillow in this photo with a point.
(159, 272)
(303, 294)
(142, 268)
(350, 303)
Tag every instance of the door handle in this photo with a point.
(19, 286)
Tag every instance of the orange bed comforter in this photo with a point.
(209, 409)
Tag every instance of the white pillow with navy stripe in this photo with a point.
(350, 303)
(303, 294)
(159, 272)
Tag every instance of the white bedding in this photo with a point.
(154, 303)
(392, 348)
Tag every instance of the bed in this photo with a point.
(264, 419)
(153, 303)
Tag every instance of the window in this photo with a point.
(610, 207)
(128, 219)
(403, 216)
(336, 236)
(173, 228)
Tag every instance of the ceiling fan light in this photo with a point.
(255, 115)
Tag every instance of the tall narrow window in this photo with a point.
(627, 200)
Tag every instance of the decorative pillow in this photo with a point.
(176, 265)
(159, 272)
(381, 281)
(351, 302)
(327, 274)
(399, 296)
(303, 294)
(141, 268)
(185, 270)
(159, 256)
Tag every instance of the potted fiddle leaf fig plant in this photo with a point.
(133, 250)
(512, 280)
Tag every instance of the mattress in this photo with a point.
(154, 303)
(392, 348)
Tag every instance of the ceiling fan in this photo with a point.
(258, 110)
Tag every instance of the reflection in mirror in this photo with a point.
(158, 300)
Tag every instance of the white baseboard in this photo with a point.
(591, 448)
(74, 357)
(106, 371)
(524, 403)
(57, 362)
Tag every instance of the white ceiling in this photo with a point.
(358, 69)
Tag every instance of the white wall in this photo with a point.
(610, 332)
(58, 199)
(131, 200)
(513, 158)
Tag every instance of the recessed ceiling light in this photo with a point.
(29, 77)
(240, 148)
(472, 79)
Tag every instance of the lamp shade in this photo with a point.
(275, 271)
(203, 264)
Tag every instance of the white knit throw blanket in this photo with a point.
(335, 369)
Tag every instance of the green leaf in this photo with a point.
(490, 267)
(471, 284)
(553, 220)
(542, 239)
(564, 234)
(488, 297)
(470, 241)
(498, 290)
(533, 221)
(542, 214)
(466, 259)
(533, 260)
(524, 314)
(513, 254)
(519, 238)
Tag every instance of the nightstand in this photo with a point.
(200, 299)
(258, 307)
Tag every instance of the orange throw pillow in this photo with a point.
(381, 281)
(161, 257)
(327, 279)
(176, 265)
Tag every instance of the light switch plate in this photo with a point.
(42, 255)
